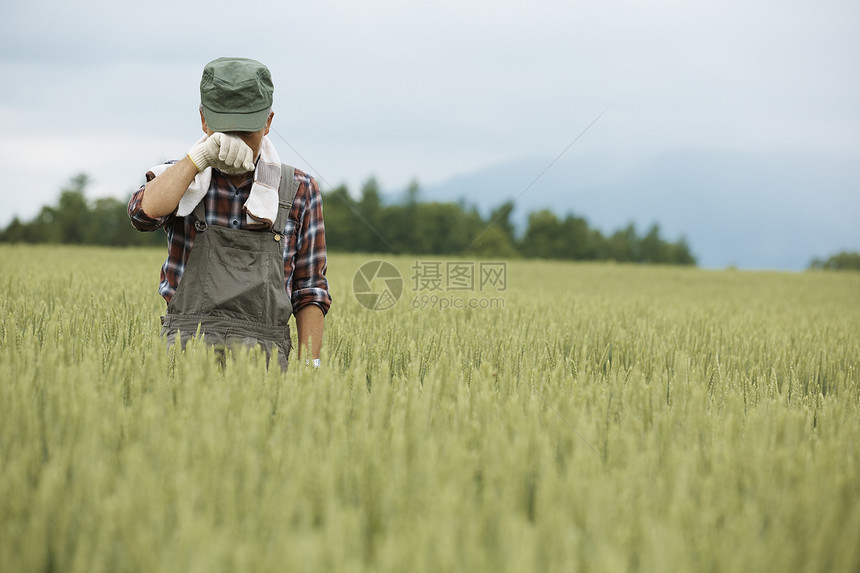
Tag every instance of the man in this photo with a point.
(245, 233)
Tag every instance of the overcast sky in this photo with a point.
(425, 90)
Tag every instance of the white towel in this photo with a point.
(262, 203)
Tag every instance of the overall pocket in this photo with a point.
(236, 283)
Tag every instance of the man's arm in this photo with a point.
(161, 196)
(223, 151)
(305, 267)
(309, 323)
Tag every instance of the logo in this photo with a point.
(377, 285)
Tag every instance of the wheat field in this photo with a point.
(599, 418)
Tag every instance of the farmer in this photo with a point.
(245, 235)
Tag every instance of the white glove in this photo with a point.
(224, 152)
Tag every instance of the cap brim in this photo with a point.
(222, 122)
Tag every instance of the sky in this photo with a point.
(428, 91)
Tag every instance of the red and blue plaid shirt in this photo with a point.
(304, 247)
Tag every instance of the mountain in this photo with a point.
(774, 211)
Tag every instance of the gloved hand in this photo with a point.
(224, 152)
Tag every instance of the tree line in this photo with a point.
(369, 224)
(74, 220)
(842, 261)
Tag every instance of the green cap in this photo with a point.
(236, 94)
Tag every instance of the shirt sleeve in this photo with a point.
(305, 259)
(139, 219)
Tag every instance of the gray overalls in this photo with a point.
(232, 287)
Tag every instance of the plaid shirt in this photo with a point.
(304, 251)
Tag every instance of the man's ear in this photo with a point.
(269, 123)
(205, 127)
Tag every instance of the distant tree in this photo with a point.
(72, 211)
(652, 248)
(401, 222)
(842, 261)
(623, 245)
(543, 237)
(501, 218)
(370, 206)
(407, 227)
(341, 221)
(111, 226)
(413, 193)
(429, 227)
(14, 233)
(444, 228)
(46, 227)
(680, 254)
(493, 242)
(581, 243)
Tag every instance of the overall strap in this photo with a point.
(286, 195)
